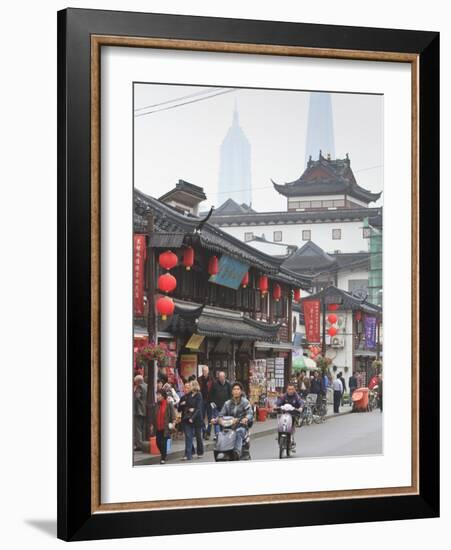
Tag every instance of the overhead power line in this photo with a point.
(203, 92)
(186, 102)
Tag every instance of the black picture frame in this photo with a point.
(76, 521)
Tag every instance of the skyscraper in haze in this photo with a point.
(320, 129)
(235, 165)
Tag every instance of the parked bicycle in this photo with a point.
(318, 407)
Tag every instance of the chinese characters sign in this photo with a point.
(312, 321)
(230, 272)
(369, 326)
(139, 256)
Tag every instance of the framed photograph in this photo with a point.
(248, 274)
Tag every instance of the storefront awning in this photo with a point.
(235, 327)
(279, 346)
(221, 323)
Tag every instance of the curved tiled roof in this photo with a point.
(325, 177)
(220, 324)
(348, 301)
(169, 220)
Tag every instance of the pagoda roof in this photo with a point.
(326, 176)
(186, 188)
(168, 221)
(346, 300)
(313, 260)
(232, 207)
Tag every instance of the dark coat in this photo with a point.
(181, 405)
(140, 400)
(220, 393)
(317, 386)
(194, 402)
(169, 417)
(352, 382)
(205, 387)
(342, 378)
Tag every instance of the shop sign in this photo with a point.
(369, 327)
(188, 365)
(312, 321)
(230, 272)
(139, 257)
(195, 341)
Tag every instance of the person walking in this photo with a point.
(337, 387)
(182, 408)
(303, 384)
(193, 422)
(317, 386)
(139, 411)
(352, 387)
(221, 391)
(164, 421)
(343, 382)
(206, 383)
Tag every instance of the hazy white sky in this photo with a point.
(184, 142)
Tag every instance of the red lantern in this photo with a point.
(332, 318)
(332, 331)
(245, 280)
(263, 284)
(188, 258)
(167, 260)
(167, 282)
(358, 315)
(297, 294)
(165, 307)
(213, 265)
(277, 292)
(333, 307)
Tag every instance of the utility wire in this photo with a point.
(186, 103)
(203, 92)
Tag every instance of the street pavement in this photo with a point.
(352, 434)
(341, 435)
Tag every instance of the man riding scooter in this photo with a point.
(240, 409)
(291, 398)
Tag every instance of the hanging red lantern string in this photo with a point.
(333, 307)
(167, 282)
(167, 260)
(188, 258)
(277, 292)
(165, 306)
(263, 284)
(297, 294)
(245, 280)
(213, 265)
(332, 331)
(358, 315)
(332, 318)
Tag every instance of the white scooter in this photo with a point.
(285, 429)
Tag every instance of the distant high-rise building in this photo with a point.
(235, 166)
(320, 129)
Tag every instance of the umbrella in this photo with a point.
(310, 364)
(298, 361)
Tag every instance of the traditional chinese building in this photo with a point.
(358, 340)
(240, 311)
(325, 205)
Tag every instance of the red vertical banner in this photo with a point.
(139, 257)
(312, 310)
